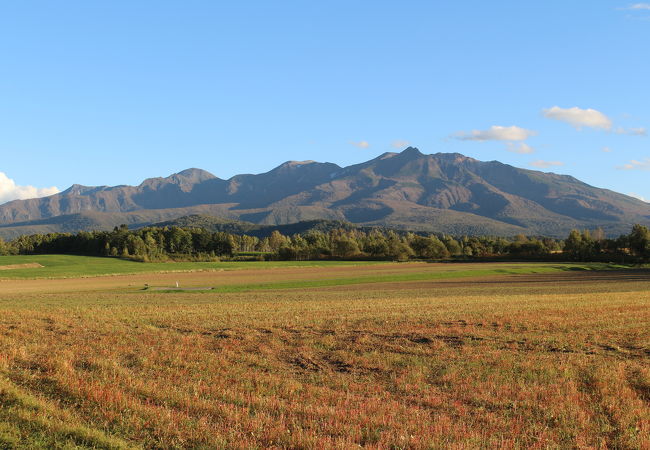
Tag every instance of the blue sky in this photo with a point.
(117, 91)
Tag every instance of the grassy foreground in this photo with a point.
(556, 358)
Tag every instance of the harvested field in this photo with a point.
(182, 289)
(21, 266)
(435, 356)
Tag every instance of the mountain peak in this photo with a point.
(296, 163)
(308, 165)
(75, 187)
(79, 189)
(386, 155)
(411, 151)
(194, 175)
(185, 179)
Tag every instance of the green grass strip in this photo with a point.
(421, 276)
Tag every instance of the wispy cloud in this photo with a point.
(522, 148)
(607, 150)
(360, 144)
(641, 131)
(9, 190)
(495, 133)
(636, 165)
(639, 7)
(400, 144)
(637, 11)
(579, 117)
(546, 164)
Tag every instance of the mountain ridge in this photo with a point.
(443, 192)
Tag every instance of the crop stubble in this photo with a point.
(532, 360)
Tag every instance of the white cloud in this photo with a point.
(636, 165)
(637, 196)
(639, 7)
(522, 148)
(607, 150)
(400, 144)
(578, 117)
(361, 144)
(546, 164)
(496, 133)
(641, 131)
(9, 190)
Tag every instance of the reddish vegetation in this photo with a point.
(519, 361)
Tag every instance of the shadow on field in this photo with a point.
(581, 276)
(540, 283)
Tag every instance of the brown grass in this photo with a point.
(21, 266)
(528, 361)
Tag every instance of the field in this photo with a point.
(66, 266)
(323, 355)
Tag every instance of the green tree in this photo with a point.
(345, 247)
(398, 249)
(137, 246)
(639, 240)
(580, 246)
(179, 241)
(222, 244)
(276, 240)
(428, 247)
(376, 244)
(453, 247)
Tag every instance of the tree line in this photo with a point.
(178, 243)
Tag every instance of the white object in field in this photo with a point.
(177, 284)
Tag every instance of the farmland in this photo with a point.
(314, 355)
(67, 266)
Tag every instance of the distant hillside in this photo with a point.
(210, 223)
(93, 220)
(238, 227)
(444, 192)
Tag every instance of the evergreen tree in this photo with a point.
(640, 241)
(573, 244)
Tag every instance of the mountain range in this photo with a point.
(442, 192)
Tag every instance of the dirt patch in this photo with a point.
(158, 288)
(21, 266)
